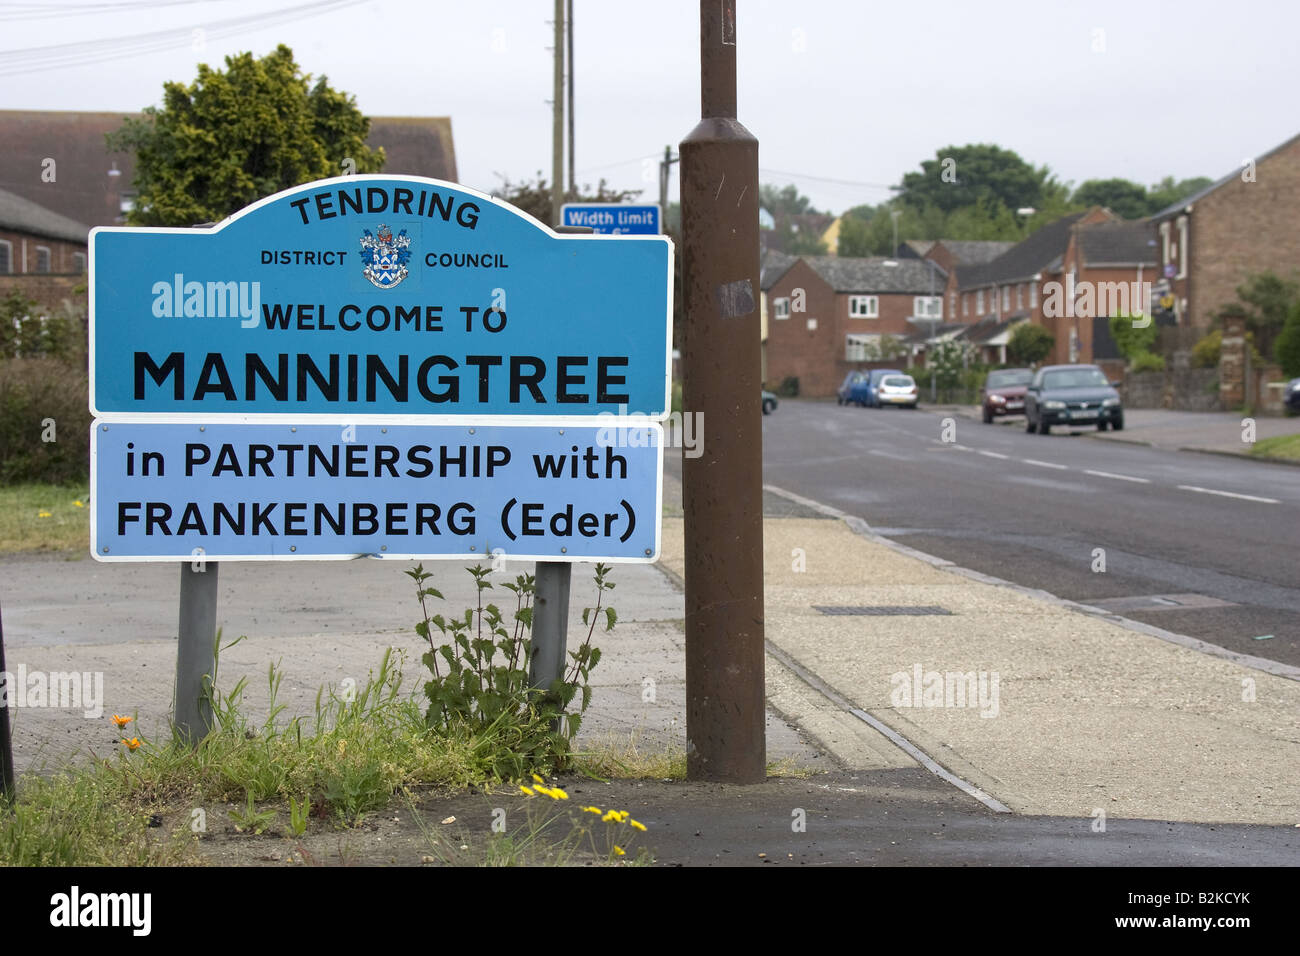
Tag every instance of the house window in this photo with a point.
(861, 348)
(979, 301)
(1033, 295)
(864, 307)
(928, 306)
(965, 304)
(1006, 298)
(781, 308)
(1182, 248)
(79, 261)
(952, 303)
(42, 258)
(1020, 296)
(6, 257)
(1164, 243)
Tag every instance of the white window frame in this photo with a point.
(1020, 295)
(9, 259)
(864, 307)
(965, 304)
(49, 260)
(1033, 295)
(952, 303)
(79, 262)
(1164, 243)
(1006, 298)
(1182, 248)
(855, 351)
(979, 301)
(781, 308)
(927, 306)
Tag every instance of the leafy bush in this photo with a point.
(1029, 344)
(1287, 347)
(1205, 353)
(1147, 362)
(789, 387)
(481, 675)
(44, 422)
(1132, 339)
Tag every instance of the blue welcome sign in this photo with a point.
(378, 297)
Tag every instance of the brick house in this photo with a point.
(94, 186)
(1245, 223)
(41, 252)
(829, 315)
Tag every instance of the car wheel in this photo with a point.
(1029, 425)
(988, 417)
(1118, 424)
(1101, 425)
(839, 401)
(768, 407)
(1044, 428)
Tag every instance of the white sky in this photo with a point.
(853, 91)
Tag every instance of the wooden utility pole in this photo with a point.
(568, 26)
(722, 489)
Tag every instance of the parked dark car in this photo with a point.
(1003, 392)
(1291, 396)
(769, 402)
(876, 376)
(853, 391)
(1071, 395)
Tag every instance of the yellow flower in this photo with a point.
(595, 810)
(526, 790)
(540, 789)
(43, 514)
(611, 817)
(121, 721)
(619, 851)
(639, 826)
(132, 744)
(538, 779)
(79, 504)
(559, 794)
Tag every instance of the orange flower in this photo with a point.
(133, 744)
(121, 721)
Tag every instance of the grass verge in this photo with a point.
(41, 517)
(1282, 446)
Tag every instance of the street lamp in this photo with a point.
(894, 214)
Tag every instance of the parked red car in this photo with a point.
(1004, 392)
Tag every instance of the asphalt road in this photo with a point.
(1202, 545)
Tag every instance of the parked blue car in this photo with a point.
(853, 391)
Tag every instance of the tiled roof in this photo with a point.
(975, 251)
(771, 266)
(1118, 243)
(908, 276)
(22, 215)
(1032, 254)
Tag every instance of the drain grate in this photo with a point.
(882, 610)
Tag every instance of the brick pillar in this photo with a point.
(1232, 363)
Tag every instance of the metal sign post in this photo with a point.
(196, 651)
(7, 788)
(722, 490)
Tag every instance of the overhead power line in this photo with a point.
(87, 52)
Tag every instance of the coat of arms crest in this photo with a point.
(385, 256)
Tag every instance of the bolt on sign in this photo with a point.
(377, 365)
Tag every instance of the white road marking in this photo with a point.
(1231, 494)
(1107, 474)
(993, 454)
(1044, 464)
(885, 454)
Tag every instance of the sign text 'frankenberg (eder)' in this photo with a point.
(163, 491)
(378, 296)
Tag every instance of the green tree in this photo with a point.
(1287, 347)
(1120, 196)
(1029, 344)
(784, 201)
(959, 176)
(232, 137)
(1132, 340)
(985, 219)
(855, 237)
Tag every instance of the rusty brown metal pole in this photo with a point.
(722, 489)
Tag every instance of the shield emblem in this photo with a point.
(384, 256)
